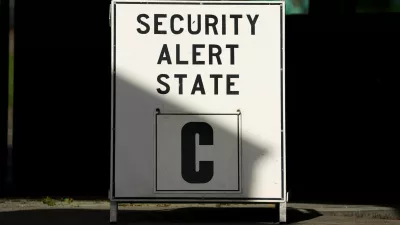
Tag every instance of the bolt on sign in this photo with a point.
(198, 110)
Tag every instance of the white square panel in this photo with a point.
(194, 154)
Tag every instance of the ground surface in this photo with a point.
(21, 212)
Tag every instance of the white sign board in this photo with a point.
(198, 101)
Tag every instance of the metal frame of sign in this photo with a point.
(115, 200)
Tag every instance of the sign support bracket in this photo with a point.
(282, 212)
(113, 212)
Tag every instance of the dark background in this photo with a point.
(4, 29)
(342, 97)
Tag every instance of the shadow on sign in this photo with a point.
(132, 97)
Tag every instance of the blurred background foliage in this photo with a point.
(296, 6)
(362, 6)
(378, 6)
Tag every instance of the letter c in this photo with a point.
(188, 148)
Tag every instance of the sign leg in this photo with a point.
(113, 212)
(282, 212)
